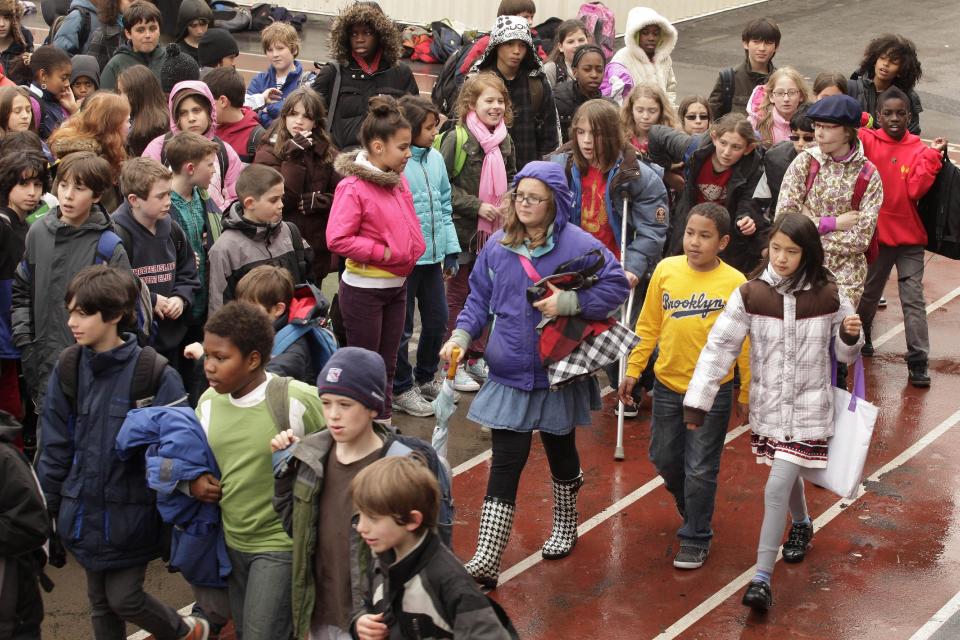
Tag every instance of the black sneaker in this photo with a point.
(867, 348)
(629, 410)
(798, 542)
(919, 376)
(690, 557)
(758, 596)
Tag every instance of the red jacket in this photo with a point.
(907, 169)
(237, 134)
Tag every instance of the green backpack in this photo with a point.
(459, 156)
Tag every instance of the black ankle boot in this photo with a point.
(758, 596)
(867, 348)
(795, 548)
(918, 374)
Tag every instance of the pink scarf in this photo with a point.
(493, 174)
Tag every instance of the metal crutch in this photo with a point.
(618, 453)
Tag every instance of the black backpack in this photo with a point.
(726, 91)
(940, 211)
(446, 41)
(253, 143)
(449, 81)
(104, 43)
(147, 374)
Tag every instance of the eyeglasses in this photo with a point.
(806, 138)
(526, 199)
(790, 93)
(696, 116)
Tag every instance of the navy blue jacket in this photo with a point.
(51, 112)
(13, 240)
(177, 451)
(107, 515)
(267, 79)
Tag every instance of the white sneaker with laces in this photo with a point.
(463, 382)
(412, 403)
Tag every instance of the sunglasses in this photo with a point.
(696, 116)
(807, 138)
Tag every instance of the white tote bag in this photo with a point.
(853, 421)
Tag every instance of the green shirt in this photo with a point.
(239, 431)
(192, 218)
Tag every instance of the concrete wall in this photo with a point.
(479, 14)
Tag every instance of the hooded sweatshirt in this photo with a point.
(166, 263)
(535, 131)
(222, 190)
(237, 134)
(191, 10)
(907, 168)
(391, 77)
(126, 57)
(68, 35)
(55, 253)
(631, 66)
(245, 244)
(85, 66)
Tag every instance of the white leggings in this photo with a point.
(784, 484)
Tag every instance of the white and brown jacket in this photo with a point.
(790, 333)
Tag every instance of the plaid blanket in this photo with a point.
(593, 353)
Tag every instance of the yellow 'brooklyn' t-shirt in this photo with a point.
(678, 312)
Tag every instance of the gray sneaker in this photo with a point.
(690, 557)
(464, 382)
(478, 370)
(412, 403)
(430, 391)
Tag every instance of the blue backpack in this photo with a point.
(308, 312)
(408, 445)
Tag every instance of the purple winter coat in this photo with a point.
(498, 287)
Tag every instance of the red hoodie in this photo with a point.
(237, 134)
(907, 169)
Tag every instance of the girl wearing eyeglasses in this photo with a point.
(772, 105)
(694, 115)
(517, 399)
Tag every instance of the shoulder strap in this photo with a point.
(163, 148)
(460, 154)
(536, 94)
(224, 161)
(298, 251)
(397, 448)
(106, 245)
(214, 221)
(68, 370)
(254, 141)
(334, 96)
(146, 377)
(528, 268)
(84, 33)
(125, 239)
(278, 402)
(812, 172)
(863, 181)
(726, 87)
(289, 334)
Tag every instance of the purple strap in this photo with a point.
(859, 384)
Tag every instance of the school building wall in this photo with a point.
(480, 14)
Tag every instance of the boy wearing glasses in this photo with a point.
(779, 157)
(761, 39)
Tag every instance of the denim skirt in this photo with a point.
(556, 412)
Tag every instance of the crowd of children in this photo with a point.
(165, 229)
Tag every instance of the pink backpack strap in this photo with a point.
(812, 172)
(863, 181)
(528, 268)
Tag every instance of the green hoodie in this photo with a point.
(125, 58)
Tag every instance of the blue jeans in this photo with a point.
(260, 594)
(689, 461)
(424, 285)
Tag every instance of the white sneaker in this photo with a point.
(463, 382)
(882, 303)
(430, 391)
(412, 403)
(478, 370)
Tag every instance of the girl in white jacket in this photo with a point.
(792, 311)
(645, 57)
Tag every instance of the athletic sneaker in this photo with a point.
(629, 410)
(430, 391)
(758, 596)
(412, 403)
(463, 382)
(882, 303)
(199, 629)
(690, 557)
(478, 370)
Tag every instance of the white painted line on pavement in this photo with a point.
(825, 518)
(938, 620)
(143, 635)
(889, 334)
(618, 506)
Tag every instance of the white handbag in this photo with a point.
(853, 422)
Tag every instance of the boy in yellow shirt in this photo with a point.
(684, 299)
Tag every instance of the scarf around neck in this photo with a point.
(493, 174)
(371, 68)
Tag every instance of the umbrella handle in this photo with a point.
(454, 361)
